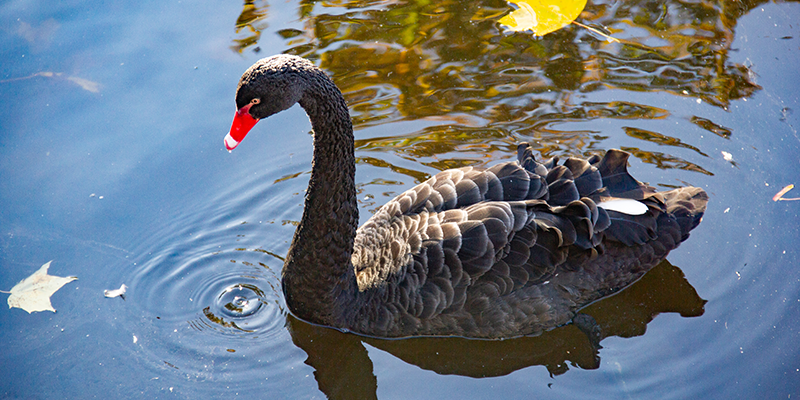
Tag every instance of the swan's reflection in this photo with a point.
(343, 368)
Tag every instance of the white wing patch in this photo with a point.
(625, 206)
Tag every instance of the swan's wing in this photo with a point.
(462, 187)
(544, 205)
(386, 243)
(524, 179)
(468, 237)
(429, 263)
(422, 264)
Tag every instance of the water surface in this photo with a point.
(113, 166)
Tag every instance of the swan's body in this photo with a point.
(511, 250)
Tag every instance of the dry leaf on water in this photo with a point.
(779, 196)
(33, 293)
(542, 16)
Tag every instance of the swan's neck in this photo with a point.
(318, 273)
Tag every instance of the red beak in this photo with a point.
(242, 123)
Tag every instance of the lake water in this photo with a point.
(113, 166)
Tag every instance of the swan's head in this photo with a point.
(268, 87)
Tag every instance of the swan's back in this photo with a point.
(511, 250)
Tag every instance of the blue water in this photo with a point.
(116, 170)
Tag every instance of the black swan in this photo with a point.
(506, 251)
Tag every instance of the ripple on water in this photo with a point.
(227, 292)
(235, 303)
(206, 303)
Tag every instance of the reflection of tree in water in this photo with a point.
(683, 51)
(447, 60)
(250, 24)
(422, 59)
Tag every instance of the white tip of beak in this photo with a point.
(230, 142)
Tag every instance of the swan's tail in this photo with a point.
(687, 206)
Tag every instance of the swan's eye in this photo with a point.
(255, 101)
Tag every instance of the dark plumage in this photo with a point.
(506, 251)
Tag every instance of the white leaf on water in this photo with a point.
(33, 293)
(117, 292)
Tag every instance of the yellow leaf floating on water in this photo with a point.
(33, 293)
(542, 16)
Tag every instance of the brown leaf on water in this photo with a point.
(779, 196)
(33, 293)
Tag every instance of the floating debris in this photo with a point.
(117, 292)
(727, 156)
(779, 196)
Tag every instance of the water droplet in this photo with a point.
(240, 300)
